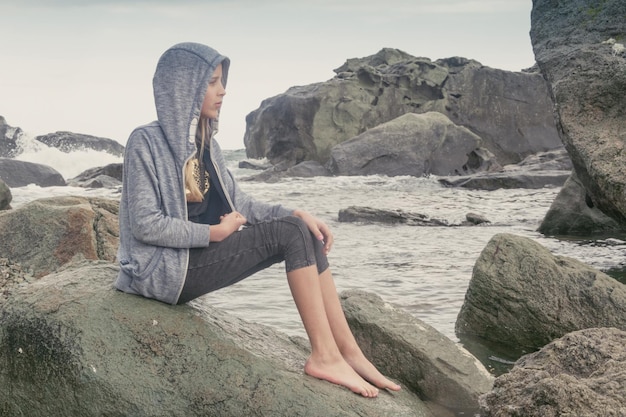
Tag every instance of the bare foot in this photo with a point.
(368, 371)
(341, 373)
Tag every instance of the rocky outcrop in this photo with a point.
(70, 142)
(70, 344)
(581, 374)
(109, 176)
(21, 173)
(48, 233)
(355, 214)
(573, 213)
(5, 196)
(9, 137)
(510, 112)
(544, 169)
(521, 296)
(571, 41)
(418, 356)
(412, 144)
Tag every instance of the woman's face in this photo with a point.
(214, 95)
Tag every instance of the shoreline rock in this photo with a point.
(70, 344)
(48, 233)
(521, 296)
(510, 112)
(580, 374)
(21, 173)
(586, 78)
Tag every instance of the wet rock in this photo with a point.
(9, 137)
(412, 144)
(5, 196)
(20, 173)
(415, 354)
(580, 374)
(48, 233)
(544, 169)
(372, 215)
(573, 213)
(521, 296)
(70, 142)
(109, 176)
(587, 82)
(71, 345)
(510, 112)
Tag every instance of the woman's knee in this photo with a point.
(298, 224)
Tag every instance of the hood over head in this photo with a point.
(180, 82)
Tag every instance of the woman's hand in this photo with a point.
(319, 229)
(229, 224)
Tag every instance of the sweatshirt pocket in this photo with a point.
(152, 260)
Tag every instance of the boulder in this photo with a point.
(71, 345)
(510, 112)
(9, 137)
(48, 233)
(581, 374)
(21, 173)
(70, 142)
(572, 213)
(417, 355)
(412, 144)
(508, 180)
(521, 296)
(109, 176)
(355, 214)
(543, 169)
(5, 196)
(306, 169)
(587, 82)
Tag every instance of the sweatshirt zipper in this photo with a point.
(219, 175)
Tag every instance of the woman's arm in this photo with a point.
(155, 203)
(319, 229)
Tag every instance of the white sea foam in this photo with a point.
(69, 165)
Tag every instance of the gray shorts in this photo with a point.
(250, 250)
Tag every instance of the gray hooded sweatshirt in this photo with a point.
(155, 234)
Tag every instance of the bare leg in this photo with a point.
(326, 361)
(345, 339)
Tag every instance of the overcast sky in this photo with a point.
(86, 66)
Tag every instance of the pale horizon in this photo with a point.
(87, 66)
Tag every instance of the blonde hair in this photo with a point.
(192, 186)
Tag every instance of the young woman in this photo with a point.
(186, 228)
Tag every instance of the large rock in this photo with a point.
(581, 374)
(5, 196)
(9, 137)
(511, 112)
(543, 169)
(587, 81)
(572, 213)
(21, 173)
(521, 296)
(71, 345)
(354, 214)
(48, 233)
(70, 142)
(414, 353)
(412, 144)
(109, 176)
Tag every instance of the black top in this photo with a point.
(215, 204)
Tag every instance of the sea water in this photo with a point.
(424, 270)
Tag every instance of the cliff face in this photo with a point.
(578, 46)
